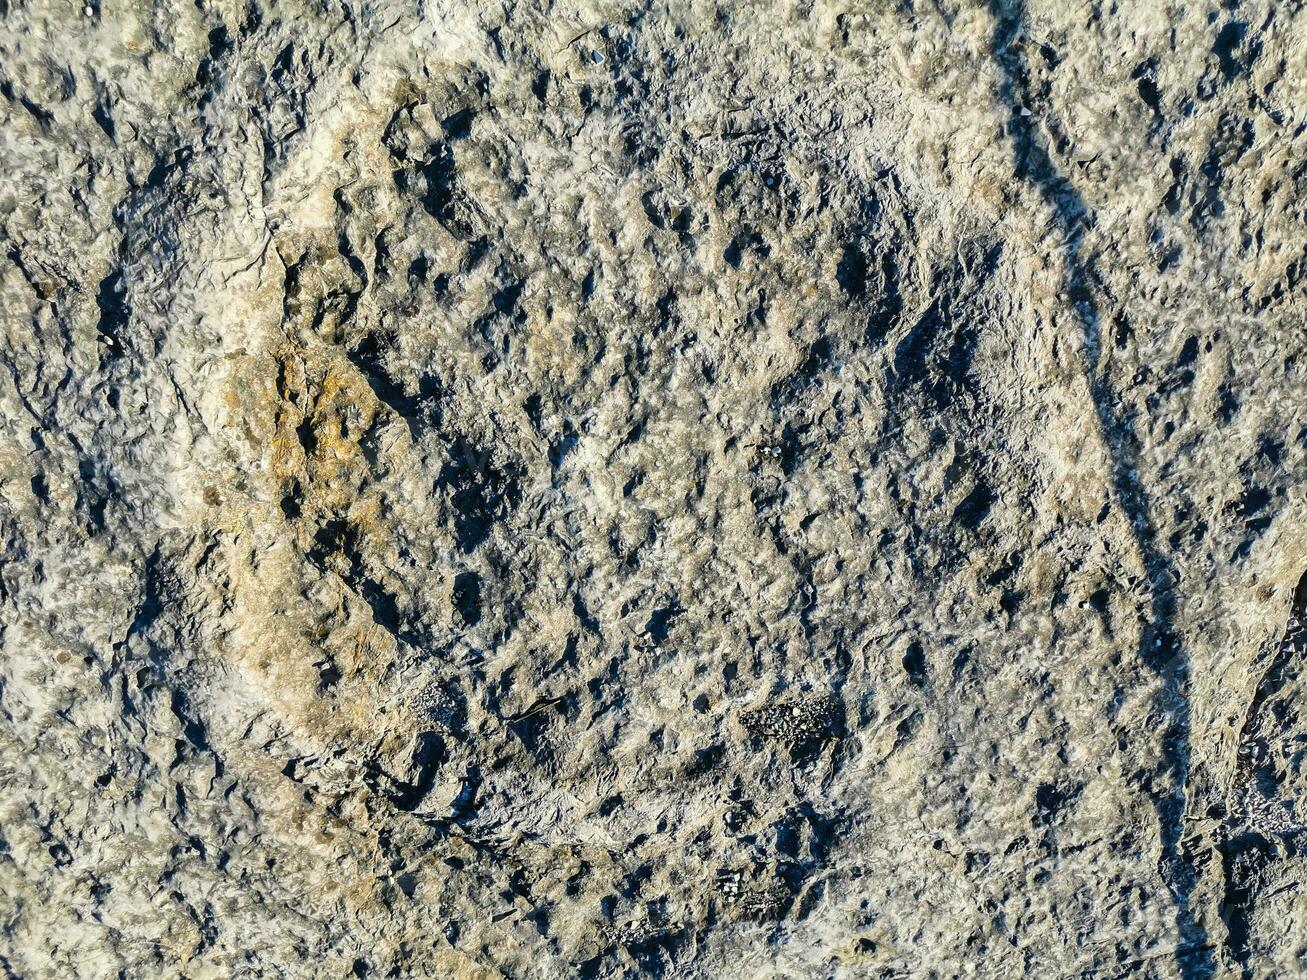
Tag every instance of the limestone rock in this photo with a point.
(696, 489)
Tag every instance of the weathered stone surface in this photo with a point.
(695, 489)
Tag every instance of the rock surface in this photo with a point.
(805, 489)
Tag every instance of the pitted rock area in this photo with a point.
(691, 489)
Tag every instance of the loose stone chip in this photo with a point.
(799, 723)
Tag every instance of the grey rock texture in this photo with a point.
(805, 489)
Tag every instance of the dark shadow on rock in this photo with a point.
(1159, 646)
(1252, 844)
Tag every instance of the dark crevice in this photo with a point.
(975, 507)
(480, 492)
(428, 755)
(914, 664)
(1243, 858)
(851, 273)
(935, 355)
(418, 409)
(151, 603)
(1224, 47)
(337, 537)
(439, 193)
(889, 303)
(466, 597)
(115, 311)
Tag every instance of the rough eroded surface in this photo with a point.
(706, 490)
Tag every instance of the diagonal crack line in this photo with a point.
(1159, 646)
